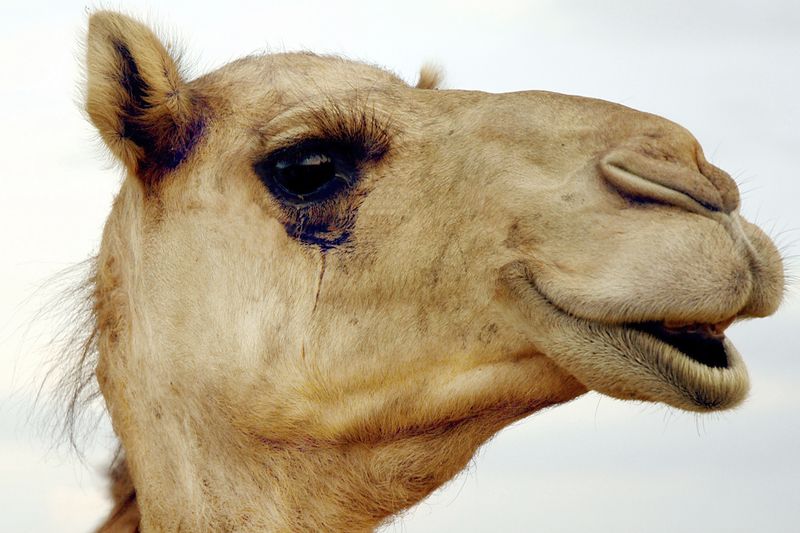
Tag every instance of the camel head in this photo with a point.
(310, 256)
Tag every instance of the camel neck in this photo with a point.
(241, 485)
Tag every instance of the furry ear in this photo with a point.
(136, 97)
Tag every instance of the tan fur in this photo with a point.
(487, 264)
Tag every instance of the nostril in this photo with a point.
(663, 181)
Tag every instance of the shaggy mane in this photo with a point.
(69, 379)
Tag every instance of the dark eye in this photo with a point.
(306, 173)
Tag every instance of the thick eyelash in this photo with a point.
(358, 127)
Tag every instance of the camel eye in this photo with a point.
(308, 173)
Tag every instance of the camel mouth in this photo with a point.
(694, 367)
(691, 366)
(701, 342)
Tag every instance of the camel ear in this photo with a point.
(136, 98)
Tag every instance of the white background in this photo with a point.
(728, 70)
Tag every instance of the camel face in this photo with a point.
(309, 251)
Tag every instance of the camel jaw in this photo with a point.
(637, 361)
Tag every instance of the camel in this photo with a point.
(321, 289)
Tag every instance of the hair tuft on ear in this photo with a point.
(430, 77)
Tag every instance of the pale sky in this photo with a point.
(727, 70)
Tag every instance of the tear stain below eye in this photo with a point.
(322, 235)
